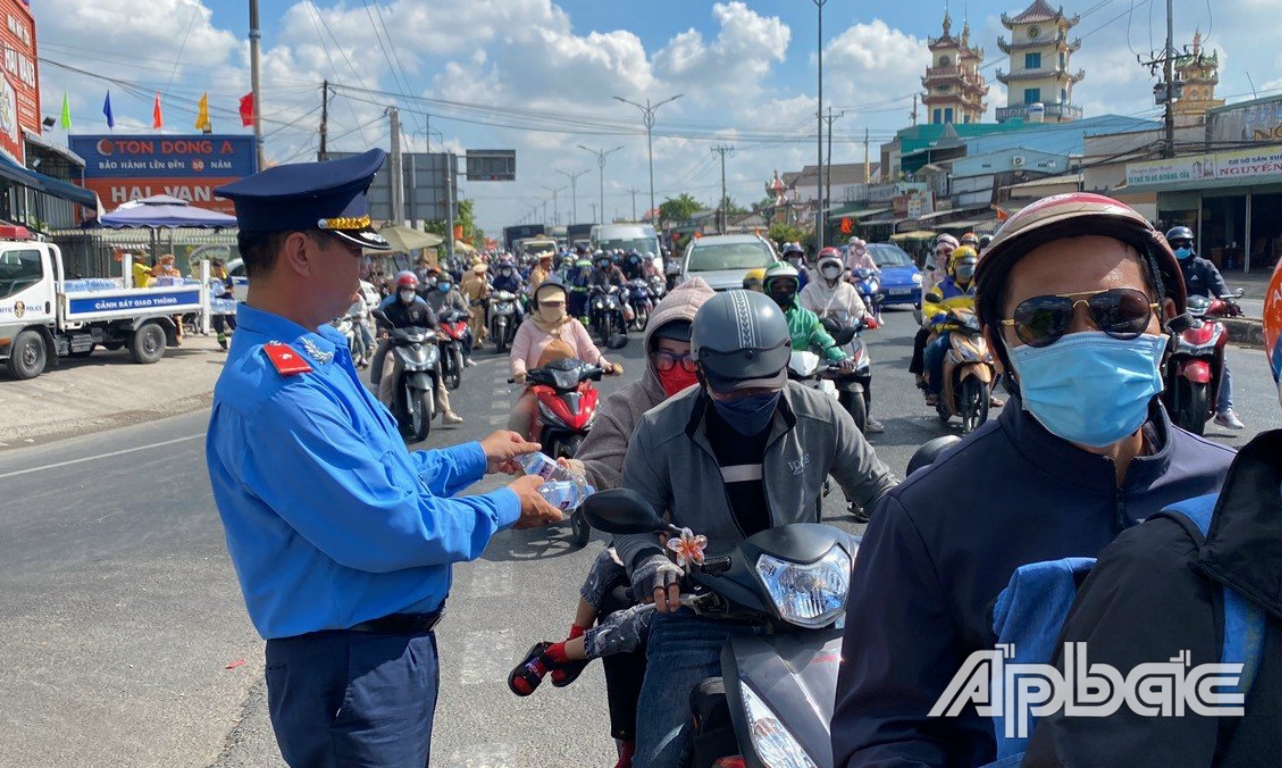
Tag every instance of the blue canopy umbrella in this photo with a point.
(164, 211)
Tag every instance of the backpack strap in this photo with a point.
(1244, 621)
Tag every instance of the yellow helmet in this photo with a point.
(959, 253)
(754, 279)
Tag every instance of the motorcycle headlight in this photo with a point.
(776, 747)
(809, 595)
(917, 279)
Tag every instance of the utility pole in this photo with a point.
(633, 191)
(595, 220)
(394, 177)
(449, 205)
(831, 118)
(819, 211)
(254, 36)
(601, 155)
(914, 113)
(1168, 91)
(556, 208)
(723, 210)
(867, 168)
(574, 193)
(324, 126)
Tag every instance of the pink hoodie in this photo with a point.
(530, 341)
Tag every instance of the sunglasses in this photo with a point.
(666, 361)
(1123, 313)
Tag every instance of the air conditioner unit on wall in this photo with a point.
(1017, 161)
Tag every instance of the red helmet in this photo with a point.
(406, 279)
(830, 252)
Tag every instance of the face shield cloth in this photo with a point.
(407, 297)
(1090, 388)
(750, 414)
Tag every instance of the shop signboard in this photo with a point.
(121, 167)
(1242, 164)
(20, 85)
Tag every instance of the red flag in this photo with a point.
(157, 120)
(247, 109)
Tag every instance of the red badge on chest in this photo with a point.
(286, 361)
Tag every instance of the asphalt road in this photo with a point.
(122, 628)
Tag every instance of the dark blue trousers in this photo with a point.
(353, 699)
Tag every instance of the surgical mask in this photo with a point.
(552, 313)
(443, 287)
(676, 379)
(1090, 388)
(832, 273)
(748, 415)
(407, 297)
(1183, 253)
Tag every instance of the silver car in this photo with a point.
(723, 260)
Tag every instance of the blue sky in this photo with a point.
(747, 70)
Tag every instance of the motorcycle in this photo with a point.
(854, 387)
(658, 288)
(1226, 306)
(1194, 372)
(349, 326)
(419, 357)
(567, 407)
(453, 325)
(773, 703)
(502, 319)
(606, 312)
(968, 372)
(640, 302)
(868, 284)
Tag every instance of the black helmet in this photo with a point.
(930, 450)
(1179, 234)
(740, 340)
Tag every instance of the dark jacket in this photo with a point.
(1201, 278)
(943, 544)
(1157, 591)
(604, 278)
(399, 315)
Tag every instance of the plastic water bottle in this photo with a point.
(562, 488)
(566, 495)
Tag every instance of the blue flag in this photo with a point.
(106, 110)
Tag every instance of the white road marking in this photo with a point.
(487, 657)
(483, 756)
(121, 452)
(490, 579)
(498, 421)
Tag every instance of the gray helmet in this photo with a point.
(1176, 234)
(740, 340)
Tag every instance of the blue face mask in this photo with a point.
(1090, 388)
(748, 415)
(443, 287)
(1183, 253)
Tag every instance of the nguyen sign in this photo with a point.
(1217, 167)
(20, 86)
(123, 168)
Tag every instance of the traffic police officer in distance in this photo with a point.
(341, 538)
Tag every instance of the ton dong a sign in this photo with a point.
(123, 168)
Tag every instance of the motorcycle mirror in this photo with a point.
(1239, 293)
(621, 511)
(929, 451)
(618, 341)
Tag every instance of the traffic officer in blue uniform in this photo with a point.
(342, 539)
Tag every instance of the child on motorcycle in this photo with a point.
(547, 322)
(605, 591)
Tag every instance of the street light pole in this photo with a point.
(574, 193)
(647, 117)
(556, 209)
(601, 155)
(819, 190)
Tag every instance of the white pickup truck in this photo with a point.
(44, 315)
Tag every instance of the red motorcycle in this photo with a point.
(567, 407)
(453, 327)
(1226, 306)
(1194, 371)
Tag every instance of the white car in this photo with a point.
(723, 260)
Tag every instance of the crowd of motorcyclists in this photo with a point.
(723, 438)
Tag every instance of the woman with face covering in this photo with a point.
(548, 322)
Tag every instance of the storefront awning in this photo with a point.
(47, 184)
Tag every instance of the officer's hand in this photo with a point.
(501, 450)
(535, 511)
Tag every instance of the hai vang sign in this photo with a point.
(121, 168)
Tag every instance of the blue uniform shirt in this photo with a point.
(330, 521)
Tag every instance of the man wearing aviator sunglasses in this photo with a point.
(1075, 294)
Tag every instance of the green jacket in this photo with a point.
(808, 333)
